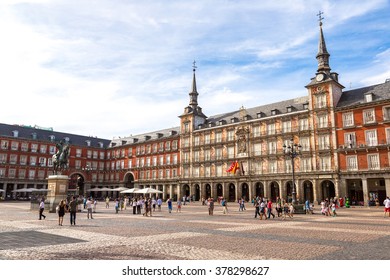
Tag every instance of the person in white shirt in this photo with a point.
(386, 203)
(41, 209)
(89, 207)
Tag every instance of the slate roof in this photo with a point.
(146, 137)
(266, 110)
(27, 132)
(356, 96)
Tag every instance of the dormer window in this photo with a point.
(100, 144)
(66, 139)
(52, 138)
(289, 109)
(273, 112)
(15, 133)
(368, 97)
(210, 124)
(88, 143)
(306, 106)
(260, 115)
(34, 135)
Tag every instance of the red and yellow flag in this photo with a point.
(233, 167)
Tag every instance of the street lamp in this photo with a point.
(292, 151)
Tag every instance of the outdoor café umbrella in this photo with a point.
(120, 189)
(24, 190)
(133, 190)
(148, 190)
(100, 189)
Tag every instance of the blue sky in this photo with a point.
(111, 68)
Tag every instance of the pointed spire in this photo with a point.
(322, 55)
(194, 94)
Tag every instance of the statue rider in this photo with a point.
(60, 147)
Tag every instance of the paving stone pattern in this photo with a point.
(356, 233)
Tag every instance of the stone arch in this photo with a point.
(308, 193)
(259, 189)
(245, 191)
(327, 190)
(232, 192)
(219, 190)
(275, 192)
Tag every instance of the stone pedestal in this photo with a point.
(58, 190)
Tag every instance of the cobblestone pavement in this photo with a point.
(356, 233)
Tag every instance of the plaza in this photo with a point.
(359, 233)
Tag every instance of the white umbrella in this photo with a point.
(24, 190)
(1, 190)
(130, 190)
(40, 190)
(148, 190)
(120, 189)
(100, 189)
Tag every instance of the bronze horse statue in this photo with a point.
(60, 159)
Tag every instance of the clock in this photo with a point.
(320, 77)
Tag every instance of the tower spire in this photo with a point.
(322, 55)
(194, 93)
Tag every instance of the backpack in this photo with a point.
(223, 203)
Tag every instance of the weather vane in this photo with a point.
(194, 65)
(320, 18)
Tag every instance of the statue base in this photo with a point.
(57, 191)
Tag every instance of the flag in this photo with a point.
(233, 167)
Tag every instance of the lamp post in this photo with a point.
(292, 151)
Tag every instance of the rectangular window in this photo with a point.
(24, 147)
(23, 160)
(373, 162)
(322, 121)
(305, 144)
(34, 148)
(42, 161)
(257, 149)
(174, 145)
(230, 135)
(167, 173)
(218, 137)
(288, 166)
(323, 142)
(22, 173)
(207, 155)
(207, 139)
(325, 164)
(271, 148)
(207, 171)
(321, 101)
(43, 149)
(78, 152)
(350, 140)
(218, 153)
(369, 116)
(95, 154)
(273, 166)
(348, 119)
(196, 172)
(102, 155)
(371, 138)
(352, 163)
(161, 160)
(256, 131)
(197, 140)
(31, 174)
(13, 159)
(196, 156)
(33, 161)
(14, 146)
(52, 150)
(306, 164)
(271, 129)
(219, 170)
(286, 126)
(303, 124)
(174, 159)
(386, 113)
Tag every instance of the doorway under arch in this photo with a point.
(274, 190)
(259, 189)
(232, 192)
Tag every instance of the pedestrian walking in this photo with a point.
(210, 205)
(61, 212)
(116, 206)
(159, 203)
(134, 206)
(94, 205)
(89, 204)
(224, 205)
(73, 205)
(154, 202)
(269, 210)
(41, 209)
(262, 210)
(169, 202)
(334, 214)
(178, 206)
(386, 203)
(107, 202)
(257, 208)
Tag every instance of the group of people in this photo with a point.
(63, 207)
(264, 208)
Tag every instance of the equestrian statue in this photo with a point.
(60, 158)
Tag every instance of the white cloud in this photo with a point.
(117, 66)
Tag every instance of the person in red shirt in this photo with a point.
(269, 209)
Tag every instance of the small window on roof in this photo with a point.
(273, 112)
(15, 133)
(52, 138)
(368, 97)
(88, 142)
(66, 139)
(306, 106)
(34, 135)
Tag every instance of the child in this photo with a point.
(334, 210)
